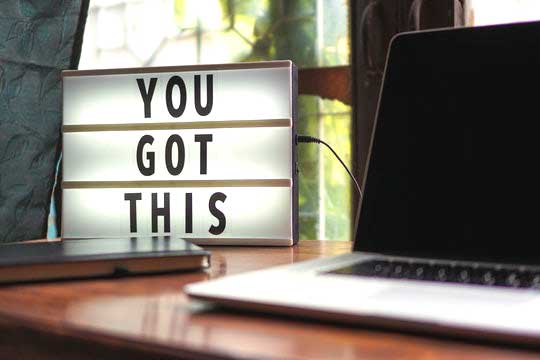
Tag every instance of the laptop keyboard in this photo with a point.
(473, 274)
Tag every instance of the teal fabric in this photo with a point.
(38, 39)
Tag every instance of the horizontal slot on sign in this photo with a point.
(175, 183)
(241, 241)
(185, 68)
(180, 125)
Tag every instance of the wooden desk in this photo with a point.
(149, 317)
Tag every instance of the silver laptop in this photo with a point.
(448, 233)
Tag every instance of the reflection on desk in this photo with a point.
(149, 317)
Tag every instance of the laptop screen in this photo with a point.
(455, 158)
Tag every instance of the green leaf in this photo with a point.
(262, 24)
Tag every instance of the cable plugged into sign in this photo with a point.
(311, 139)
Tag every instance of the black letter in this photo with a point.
(216, 230)
(147, 95)
(189, 213)
(176, 80)
(146, 171)
(181, 154)
(132, 198)
(203, 139)
(165, 211)
(203, 111)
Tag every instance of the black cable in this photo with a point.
(311, 139)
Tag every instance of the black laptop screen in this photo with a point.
(455, 160)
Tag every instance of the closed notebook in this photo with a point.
(25, 262)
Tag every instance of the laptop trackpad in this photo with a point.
(460, 304)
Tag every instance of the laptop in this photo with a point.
(448, 233)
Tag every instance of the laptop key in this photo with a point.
(463, 275)
(400, 271)
(535, 281)
(443, 273)
(513, 280)
(488, 278)
(420, 272)
(381, 268)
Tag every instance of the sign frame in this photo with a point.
(293, 184)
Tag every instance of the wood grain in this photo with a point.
(332, 83)
(149, 317)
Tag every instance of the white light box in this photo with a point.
(202, 152)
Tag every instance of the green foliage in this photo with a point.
(288, 29)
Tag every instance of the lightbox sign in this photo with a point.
(201, 152)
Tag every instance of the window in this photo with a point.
(488, 12)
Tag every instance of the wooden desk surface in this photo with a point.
(150, 317)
